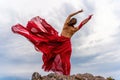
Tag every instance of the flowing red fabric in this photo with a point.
(56, 49)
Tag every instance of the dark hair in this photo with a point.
(72, 22)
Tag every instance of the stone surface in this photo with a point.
(55, 76)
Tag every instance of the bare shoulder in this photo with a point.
(76, 29)
(65, 25)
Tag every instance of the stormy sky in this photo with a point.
(96, 47)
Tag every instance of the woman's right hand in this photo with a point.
(80, 10)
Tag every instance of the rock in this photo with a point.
(36, 76)
(85, 76)
(99, 78)
(55, 76)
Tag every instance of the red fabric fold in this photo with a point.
(56, 49)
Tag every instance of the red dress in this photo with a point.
(56, 49)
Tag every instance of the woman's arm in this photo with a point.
(75, 13)
(68, 18)
(84, 21)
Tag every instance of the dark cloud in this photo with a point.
(83, 59)
(13, 78)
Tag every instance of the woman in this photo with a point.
(69, 29)
(56, 49)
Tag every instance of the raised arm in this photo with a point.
(68, 18)
(75, 13)
(84, 21)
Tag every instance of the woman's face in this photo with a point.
(72, 22)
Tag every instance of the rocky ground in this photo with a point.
(54, 76)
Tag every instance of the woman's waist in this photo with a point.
(65, 36)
